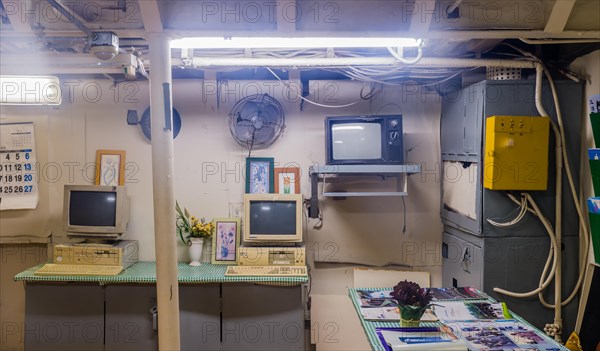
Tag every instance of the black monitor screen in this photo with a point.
(272, 217)
(93, 208)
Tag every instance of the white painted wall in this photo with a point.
(209, 168)
(209, 165)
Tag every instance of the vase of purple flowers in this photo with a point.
(412, 301)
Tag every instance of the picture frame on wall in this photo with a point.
(259, 175)
(287, 180)
(225, 241)
(110, 167)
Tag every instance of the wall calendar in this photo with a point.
(18, 176)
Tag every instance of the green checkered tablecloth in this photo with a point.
(370, 326)
(145, 272)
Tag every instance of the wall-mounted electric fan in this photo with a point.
(256, 121)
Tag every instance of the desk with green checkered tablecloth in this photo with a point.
(117, 312)
(370, 327)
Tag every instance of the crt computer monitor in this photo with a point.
(95, 212)
(273, 218)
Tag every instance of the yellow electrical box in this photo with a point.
(516, 153)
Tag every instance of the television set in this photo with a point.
(364, 140)
(95, 212)
(273, 218)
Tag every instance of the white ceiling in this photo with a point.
(34, 30)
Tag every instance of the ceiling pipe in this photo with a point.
(340, 62)
(70, 17)
(558, 41)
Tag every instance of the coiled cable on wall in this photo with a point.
(551, 256)
(520, 216)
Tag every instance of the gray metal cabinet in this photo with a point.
(229, 316)
(128, 319)
(513, 263)
(475, 253)
(200, 316)
(259, 317)
(130, 325)
(462, 262)
(462, 126)
(64, 316)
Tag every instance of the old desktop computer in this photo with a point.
(272, 236)
(98, 214)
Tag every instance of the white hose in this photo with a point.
(556, 270)
(558, 206)
(522, 212)
(554, 249)
(584, 231)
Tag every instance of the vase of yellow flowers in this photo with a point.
(192, 232)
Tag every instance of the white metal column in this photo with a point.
(164, 200)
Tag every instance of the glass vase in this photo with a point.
(410, 316)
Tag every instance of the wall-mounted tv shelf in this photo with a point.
(322, 174)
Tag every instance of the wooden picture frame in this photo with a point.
(287, 180)
(225, 241)
(259, 175)
(110, 167)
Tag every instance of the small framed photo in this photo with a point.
(110, 167)
(287, 180)
(225, 241)
(259, 175)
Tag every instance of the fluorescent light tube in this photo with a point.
(29, 90)
(289, 43)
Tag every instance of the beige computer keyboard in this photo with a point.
(78, 270)
(266, 271)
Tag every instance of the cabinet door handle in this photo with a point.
(154, 313)
(465, 259)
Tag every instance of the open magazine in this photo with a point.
(391, 314)
(423, 338)
(464, 311)
(501, 335)
(464, 293)
(377, 294)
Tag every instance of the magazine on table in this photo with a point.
(463, 293)
(380, 313)
(391, 314)
(377, 302)
(375, 294)
(420, 338)
(464, 311)
(501, 335)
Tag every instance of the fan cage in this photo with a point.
(275, 121)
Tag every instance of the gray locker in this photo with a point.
(479, 254)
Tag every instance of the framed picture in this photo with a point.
(225, 241)
(110, 167)
(287, 180)
(259, 175)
